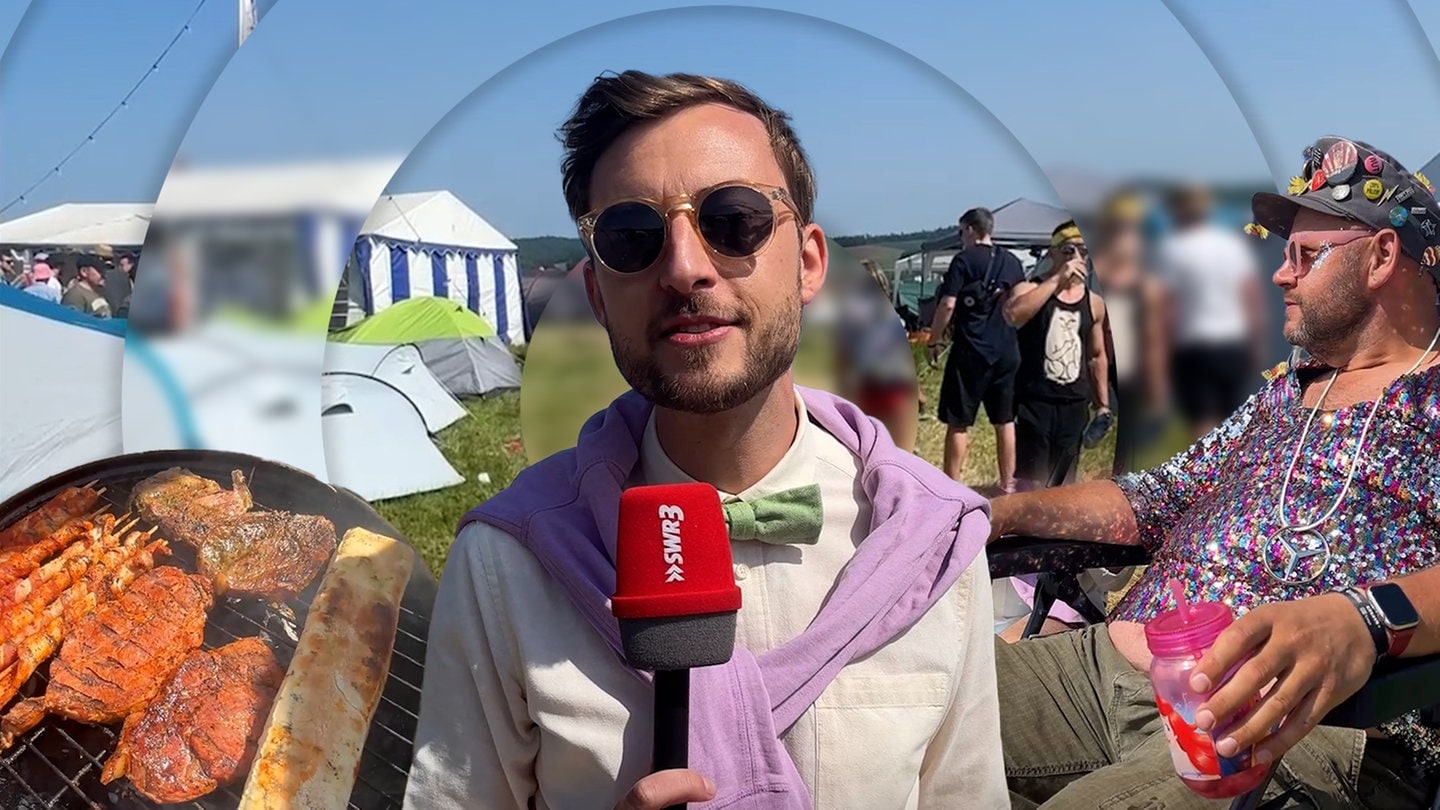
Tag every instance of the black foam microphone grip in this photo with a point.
(672, 721)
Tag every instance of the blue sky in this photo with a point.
(1207, 89)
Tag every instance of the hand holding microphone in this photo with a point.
(676, 601)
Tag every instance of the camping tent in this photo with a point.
(78, 225)
(431, 243)
(1020, 223)
(61, 396)
(375, 440)
(458, 346)
(403, 368)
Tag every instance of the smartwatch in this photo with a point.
(1396, 614)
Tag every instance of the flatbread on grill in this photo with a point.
(309, 755)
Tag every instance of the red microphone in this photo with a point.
(675, 598)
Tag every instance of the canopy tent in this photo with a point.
(403, 368)
(458, 346)
(430, 243)
(55, 419)
(1021, 225)
(80, 225)
(376, 443)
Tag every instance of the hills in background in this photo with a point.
(548, 252)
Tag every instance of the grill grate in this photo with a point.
(58, 763)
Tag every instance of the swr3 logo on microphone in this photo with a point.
(670, 519)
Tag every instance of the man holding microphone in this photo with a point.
(863, 666)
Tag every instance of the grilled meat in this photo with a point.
(109, 577)
(183, 503)
(120, 657)
(72, 504)
(202, 731)
(273, 555)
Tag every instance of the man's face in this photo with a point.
(1069, 250)
(1324, 280)
(126, 265)
(92, 276)
(695, 332)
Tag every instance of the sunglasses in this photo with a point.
(1305, 258)
(1071, 251)
(735, 220)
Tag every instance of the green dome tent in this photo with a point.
(459, 347)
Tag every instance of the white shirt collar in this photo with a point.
(796, 468)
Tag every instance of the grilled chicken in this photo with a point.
(202, 731)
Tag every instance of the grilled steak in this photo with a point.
(273, 555)
(120, 657)
(183, 503)
(202, 731)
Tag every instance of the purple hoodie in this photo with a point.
(925, 531)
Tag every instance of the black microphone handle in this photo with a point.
(672, 721)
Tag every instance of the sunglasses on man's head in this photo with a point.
(735, 220)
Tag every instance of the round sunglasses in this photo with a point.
(735, 220)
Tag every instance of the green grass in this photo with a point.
(569, 375)
(486, 441)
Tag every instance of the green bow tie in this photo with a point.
(791, 516)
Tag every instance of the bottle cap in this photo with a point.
(1173, 634)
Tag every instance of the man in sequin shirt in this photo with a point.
(1326, 479)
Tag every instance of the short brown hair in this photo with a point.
(613, 102)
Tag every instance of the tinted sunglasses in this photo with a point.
(1071, 251)
(735, 220)
(1304, 258)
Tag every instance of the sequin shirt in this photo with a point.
(1206, 515)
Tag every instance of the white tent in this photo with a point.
(403, 368)
(226, 386)
(55, 418)
(375, 440)
(80, 225)
(430, 243)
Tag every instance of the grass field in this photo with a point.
(569, 375)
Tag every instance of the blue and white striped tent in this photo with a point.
(430, 243)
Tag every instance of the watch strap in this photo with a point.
(1379, 634)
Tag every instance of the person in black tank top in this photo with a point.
(1063, 363)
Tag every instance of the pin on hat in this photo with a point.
(1431, 257)
(1385, 197)
(1340, 161)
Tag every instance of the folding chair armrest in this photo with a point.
(1395, 688)
(1014, 555)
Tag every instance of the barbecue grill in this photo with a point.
(57, 764)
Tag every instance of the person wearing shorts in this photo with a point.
(984, 354)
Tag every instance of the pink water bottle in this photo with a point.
(1178, 639)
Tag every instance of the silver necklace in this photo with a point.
(1305, 551)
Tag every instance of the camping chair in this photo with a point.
(1395, 687)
